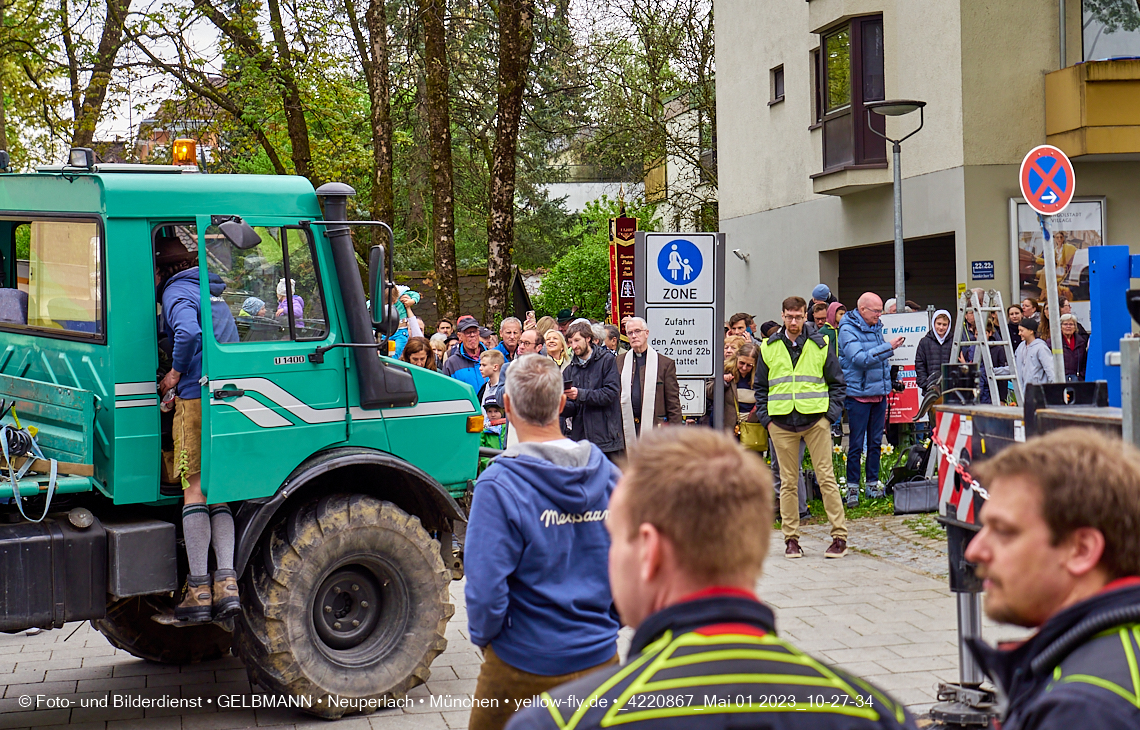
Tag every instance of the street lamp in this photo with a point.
(897, 108)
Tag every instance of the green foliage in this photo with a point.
(23, 242)
(1115, 15)
(581, 277)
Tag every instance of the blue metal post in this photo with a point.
(1109, 273)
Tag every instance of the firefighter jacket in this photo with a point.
(708, 662)
(1080, 670)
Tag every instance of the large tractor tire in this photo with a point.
(349, 598)
(128, 626)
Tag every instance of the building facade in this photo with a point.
(805, 183)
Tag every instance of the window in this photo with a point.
(272, 290)
(849, 73)
(64, 285)
(1111, 29)
(817, 89)
(777, 83)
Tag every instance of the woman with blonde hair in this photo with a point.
(732, 344)
(556, 347)
(544, 325)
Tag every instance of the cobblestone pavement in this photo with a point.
(888, 618)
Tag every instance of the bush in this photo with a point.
(581, 277)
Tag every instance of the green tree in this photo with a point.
(581, 277)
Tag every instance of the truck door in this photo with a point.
(265, 406)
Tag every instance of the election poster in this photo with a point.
(912, 327)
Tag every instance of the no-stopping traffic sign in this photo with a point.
(1047, 179)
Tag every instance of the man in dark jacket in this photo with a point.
(799, 394)
(593, 400)
(689, 525)
(1059, 551)
(205, 597)
(538, 594)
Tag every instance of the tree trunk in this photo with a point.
(3, 112)
(110, 41)
(374, 59)
(295, 122)
(379, 89)
(437, 74)
(516, 39)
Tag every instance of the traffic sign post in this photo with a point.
(679, 286)
(1048, 183)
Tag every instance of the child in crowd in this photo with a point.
(494, 428)
(405, 299)
(491, 367)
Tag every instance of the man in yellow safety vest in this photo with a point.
(799, 394)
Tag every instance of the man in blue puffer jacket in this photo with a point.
(865, 358)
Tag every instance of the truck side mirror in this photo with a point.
(237, 231)
(384, 318)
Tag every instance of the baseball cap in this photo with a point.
(484, 332)
(466, 322)
(1029, 323)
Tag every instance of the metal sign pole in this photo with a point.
(1050, 255)
(717, 342)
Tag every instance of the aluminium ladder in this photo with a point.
(981, 309)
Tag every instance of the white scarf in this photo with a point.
(648, 394)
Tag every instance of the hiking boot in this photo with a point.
(853, 495)
(838, 548)
(226, 601)
(196, 600)
(792, 548)
(875, 490)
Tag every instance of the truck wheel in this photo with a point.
(348, 598)
(128, 626)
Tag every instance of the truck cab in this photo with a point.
(343, 467)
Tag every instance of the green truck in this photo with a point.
(345, 469)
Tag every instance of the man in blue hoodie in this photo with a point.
(866, 360)
(179, 288)
(538, 594)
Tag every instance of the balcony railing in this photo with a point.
(1094, 108)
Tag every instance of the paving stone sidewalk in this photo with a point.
(888, 619)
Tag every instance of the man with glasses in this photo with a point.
(799, 394)
(655, 399)
(866, 361)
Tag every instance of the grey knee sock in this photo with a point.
(222, 522)
(196, 530)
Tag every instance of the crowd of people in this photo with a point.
(609, 397)
(592, 518)
(563, 548)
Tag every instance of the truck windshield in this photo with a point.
(58, 286)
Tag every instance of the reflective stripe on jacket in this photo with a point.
(712, 663)
(800, 388)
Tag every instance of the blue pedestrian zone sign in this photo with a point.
(680, 262)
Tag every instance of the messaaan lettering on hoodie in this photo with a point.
(554, 517)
